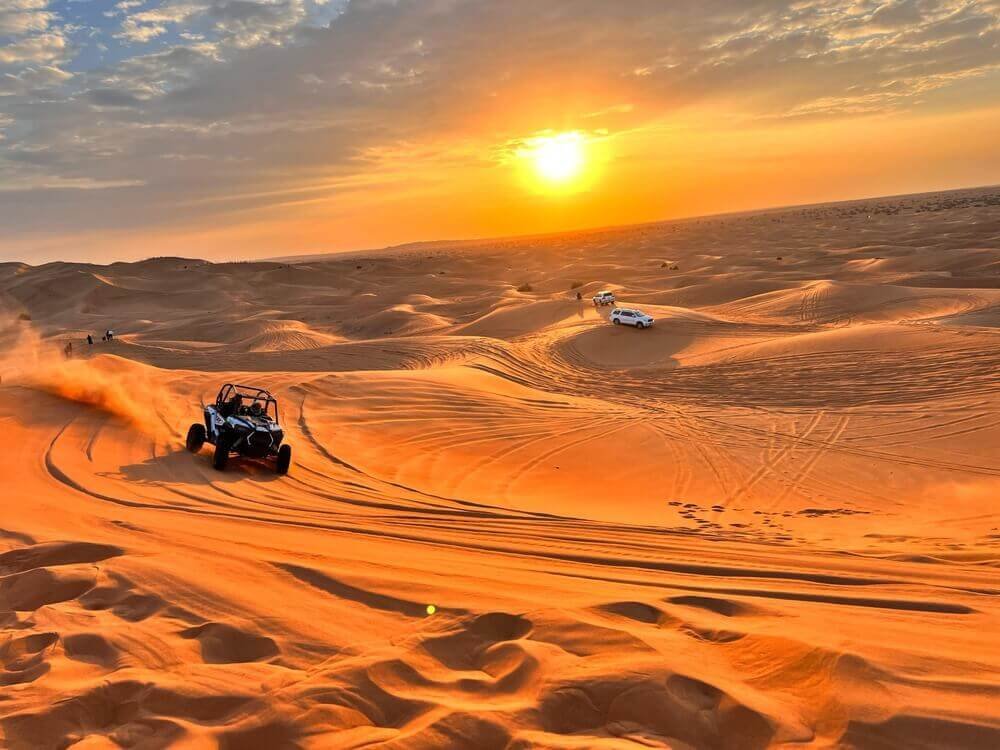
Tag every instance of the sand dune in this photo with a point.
(768, 521)
(828, 302)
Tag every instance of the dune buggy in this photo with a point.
(243, 422)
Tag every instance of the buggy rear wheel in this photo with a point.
(221, 457)
(195, 437)
(284, 459)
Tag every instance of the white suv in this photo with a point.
(604, 298)
(631, 318)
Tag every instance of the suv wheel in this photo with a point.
(617, 321)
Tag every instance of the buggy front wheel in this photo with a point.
(284, 459)
(221, 457)
(195, 437)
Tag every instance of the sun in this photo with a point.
(556, 159)
(558, 163)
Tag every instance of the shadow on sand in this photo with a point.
(182, 466)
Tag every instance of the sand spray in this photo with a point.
(110, 384)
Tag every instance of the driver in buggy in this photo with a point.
(254, 409)
(232, 407)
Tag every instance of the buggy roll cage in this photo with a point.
(232, 395)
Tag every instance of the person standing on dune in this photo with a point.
(90, 340)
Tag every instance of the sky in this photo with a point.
(238, 129)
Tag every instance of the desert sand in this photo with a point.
(768, 521)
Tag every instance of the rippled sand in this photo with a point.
(769, 521)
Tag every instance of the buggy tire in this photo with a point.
(195, 437)
(221, 457)
(284, 459)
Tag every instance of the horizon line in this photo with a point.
(413, 244)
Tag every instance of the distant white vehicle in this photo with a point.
(604, 298)
(625, 316)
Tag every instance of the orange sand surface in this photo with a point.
(768, 521)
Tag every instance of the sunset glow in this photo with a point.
(269, 127)
(557, 158)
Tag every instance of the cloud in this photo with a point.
(240, 23)
(138, 30)
(19, 17)
(40, 48)
(142, 26)
(32, 80)
(66, 183)
(113, 98)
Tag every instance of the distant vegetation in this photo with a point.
(24, 316)
(525, 288)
